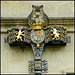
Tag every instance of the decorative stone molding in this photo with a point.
(64, 21)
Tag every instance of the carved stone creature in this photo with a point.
(37, 15)
(19, 35)
(55, 33)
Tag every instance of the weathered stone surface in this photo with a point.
(23, 8)
(12, 22)
(14, 60)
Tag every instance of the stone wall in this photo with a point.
(14, 60)
(23, 8)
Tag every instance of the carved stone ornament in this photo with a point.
(39, 34)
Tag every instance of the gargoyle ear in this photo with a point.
(41, 6)
(32, 6)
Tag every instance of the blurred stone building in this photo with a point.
(14, 60)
